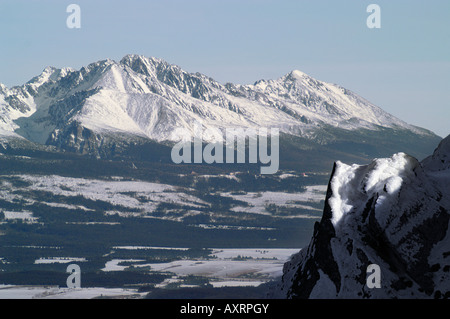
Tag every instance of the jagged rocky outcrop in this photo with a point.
(393, 212)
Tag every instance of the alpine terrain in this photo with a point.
(107, 107)
(393, 212)
(87, 177)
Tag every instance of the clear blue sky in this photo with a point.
(404, 67)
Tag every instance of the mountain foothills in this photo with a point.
(393, 212)
(108, 107)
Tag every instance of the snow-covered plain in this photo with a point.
(59, 260)
(257, 202)
(25, 216)
(234, 267)
(42, 292)
(226, 268)
(138, 198)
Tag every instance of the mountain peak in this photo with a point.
(44, 76)
(50, 73)
(392, 213)
(132, 58)
(298, 75)
(440, 160)
(142, 64)
(49, 69)
(101, 64)
(149, 95)
(298, 79)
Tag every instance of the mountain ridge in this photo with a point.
(149, 98)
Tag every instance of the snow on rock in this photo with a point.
(354, 185)
(148, 98)
(394, 213)
(440, 160)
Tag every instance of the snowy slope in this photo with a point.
(148, 98)
(393, 212)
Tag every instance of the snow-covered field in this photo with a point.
(133, 195)
(141, 199)
(236, 267)
(114, 264)
(42, 292)
(225, 268)
(257, 202)
(25, 216)
(59, 260)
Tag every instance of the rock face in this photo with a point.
(394, 213)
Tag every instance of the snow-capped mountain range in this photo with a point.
(148, 98)
(395, 213)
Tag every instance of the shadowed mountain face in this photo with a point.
(393, 212)
(107, 107)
